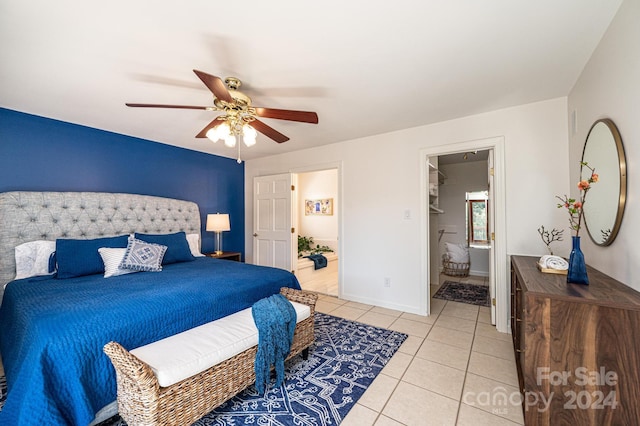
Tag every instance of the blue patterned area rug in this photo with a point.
(474, 294)
(344, 360)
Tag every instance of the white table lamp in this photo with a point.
(218, 223)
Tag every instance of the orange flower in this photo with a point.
(583, 185)
(575, 207)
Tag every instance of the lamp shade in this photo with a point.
(218, 222)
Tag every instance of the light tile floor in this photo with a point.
(328, 286)
(455, 368)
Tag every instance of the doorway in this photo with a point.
(497, 268)
(459, 222)
(316, 211)
(294, 209)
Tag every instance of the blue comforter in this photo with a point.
(52, 331)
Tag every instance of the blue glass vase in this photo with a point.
(577, 273)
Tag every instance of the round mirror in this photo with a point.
(604, 204)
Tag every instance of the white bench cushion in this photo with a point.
(186, 354)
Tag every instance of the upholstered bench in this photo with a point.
(179, 379)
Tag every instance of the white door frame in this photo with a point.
(500, 243)
(492, 229)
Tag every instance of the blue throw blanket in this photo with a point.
(275, 318)
(319, 261)
(52, 330)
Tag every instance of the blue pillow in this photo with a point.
(177, 246)
(80, 257)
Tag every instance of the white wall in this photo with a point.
(609, 87)
(462, 178)
(380, 180)
(318, 185)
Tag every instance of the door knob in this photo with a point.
(255, 235)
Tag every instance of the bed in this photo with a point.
(52, 330)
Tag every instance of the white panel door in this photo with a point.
(272, 235)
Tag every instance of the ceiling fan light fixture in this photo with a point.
(249, 135)
(223, 131)
(212, 134)
(230, 141)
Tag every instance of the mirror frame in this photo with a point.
(622, 163)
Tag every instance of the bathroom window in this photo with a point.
(477, 218)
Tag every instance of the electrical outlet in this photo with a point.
(387, 282)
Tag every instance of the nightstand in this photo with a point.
(228, 255)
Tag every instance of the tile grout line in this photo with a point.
(466, 370)
(413, 357)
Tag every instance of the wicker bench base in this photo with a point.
(141, 400)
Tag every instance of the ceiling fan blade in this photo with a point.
(286, 114)
(268, 131)
(206, 108)
(215, 123)
(216, 86)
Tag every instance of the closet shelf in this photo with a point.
(441, 176)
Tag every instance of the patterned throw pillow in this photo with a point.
(142, 256)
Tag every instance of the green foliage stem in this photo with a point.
(305, 247)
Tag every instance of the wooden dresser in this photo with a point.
(577, 347)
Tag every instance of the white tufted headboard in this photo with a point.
(29, 216)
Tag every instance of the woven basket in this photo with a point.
(141, 400)
(455, 269)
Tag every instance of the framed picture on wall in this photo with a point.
(322, 207)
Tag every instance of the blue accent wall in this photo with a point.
(41, 154)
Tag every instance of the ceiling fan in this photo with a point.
(240, 117)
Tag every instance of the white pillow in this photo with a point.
(457, 252)
(32, 258)
(194, 244)
(111, 257)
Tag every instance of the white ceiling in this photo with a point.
(366, 67)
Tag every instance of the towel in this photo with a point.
(553, 262)
(319, 261)
(275, 317)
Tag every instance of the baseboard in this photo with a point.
(478, 273)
